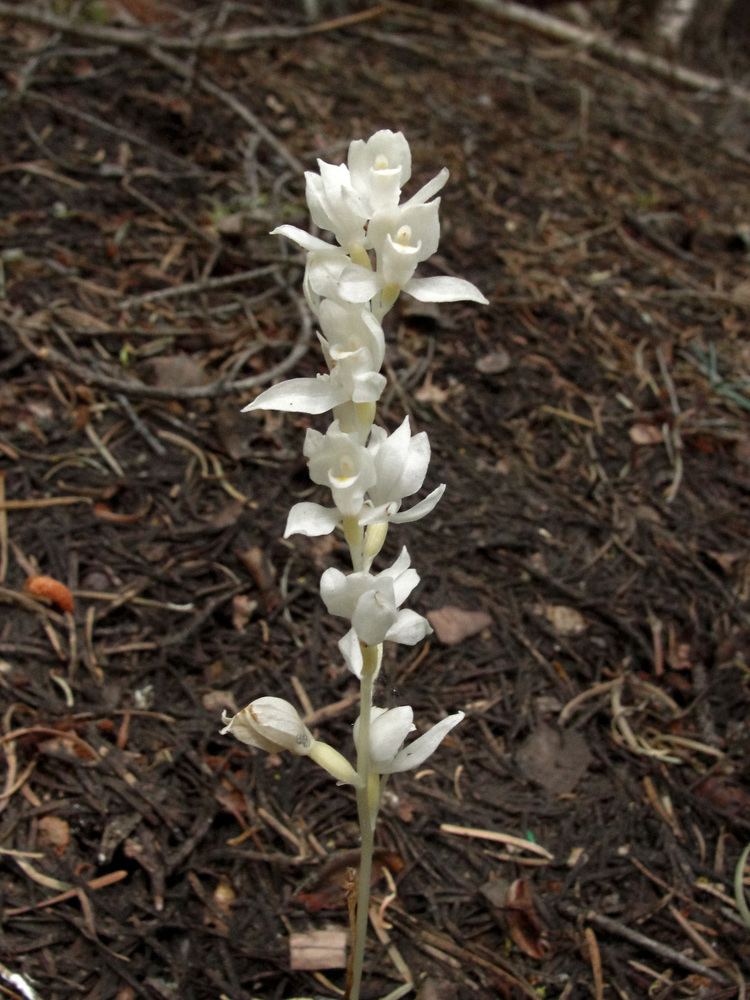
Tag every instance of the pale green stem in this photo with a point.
(366, 812)
(354, 535)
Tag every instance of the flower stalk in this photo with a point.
(350, 286)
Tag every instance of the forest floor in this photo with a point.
(578, 835)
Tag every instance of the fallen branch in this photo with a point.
(229, 41)
(603, 45)
(655, 947)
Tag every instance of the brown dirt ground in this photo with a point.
(591, 425)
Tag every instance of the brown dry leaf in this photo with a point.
(243, 608)
(46, 588)
(452, 625)
(645, 434)
(563, 619)
(495, 363)
(725, 795)
(554, 759)
(436, 989)
(328, 889)
(54, 832)
(524, 925)
(428, 392)
(231, 432)
(176, 371)
(741, 293)
(226, 515)
(219, 701)
(259, 566)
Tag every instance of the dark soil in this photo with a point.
(592, 425)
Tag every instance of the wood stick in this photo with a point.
(609, 48)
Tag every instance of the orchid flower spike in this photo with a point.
(388, 730)
(273, 724)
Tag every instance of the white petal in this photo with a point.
(375, 713)
(388, 731)
(278, 721)
(242, 727)
(311, 519)
(368, 387)
(335, 593)
(391, 458)
(415, 466)
(374, 515)
(300, 395)
(303, 239)
(416, 753)
(419, 510)
(409, 628)
(430, 188)
(403, 585)
(351, 650)
(357, 284)
(373, 616)
(402, 563)
(444, 289)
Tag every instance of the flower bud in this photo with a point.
(270, 724)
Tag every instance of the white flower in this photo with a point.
(273, 724)
(354, 347)
(371, 602)
(388, 730)
(270, 724)
(402, 238)
(335, 205)
(339, 461)
(379, 167)
(400, 468)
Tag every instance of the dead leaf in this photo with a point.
(428, 392)
(512, 906)
(741, 293)
(554, 759)
(176, 371)
(725, 795)
(328, 889)
(232, 433)
(452, 625)
(495, 363)
(218, 701)
(243, 608)
(436, 989)
(524, 926)
(564, 620)
(48, 589)
(645, 434)
(53, 832)
(257, 563)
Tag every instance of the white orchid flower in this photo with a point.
(339, 461)
(388, 730)
(354, 353)
(354, 347)
(335, 205)
(403, 238)
(273, 724)
(372, 603)
(379, 167)
(400, 468)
